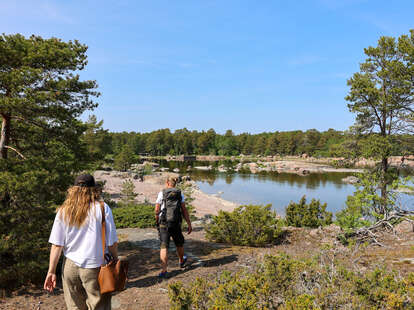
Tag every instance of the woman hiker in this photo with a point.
(77, 231)
(169, 210)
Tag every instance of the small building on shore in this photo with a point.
(181, 157)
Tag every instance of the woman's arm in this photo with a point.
(50, 281)
(113, 249)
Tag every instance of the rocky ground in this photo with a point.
(305, 161)
(207, 259)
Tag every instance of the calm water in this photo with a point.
(273, 188)
(278, 189)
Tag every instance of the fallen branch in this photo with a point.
(369, 234)
(13, 149)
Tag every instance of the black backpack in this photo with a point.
(171, 214)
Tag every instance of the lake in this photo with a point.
(277, 189)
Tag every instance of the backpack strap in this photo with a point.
(180, 195)
(163, 203)
(164, 198)
(103, 230)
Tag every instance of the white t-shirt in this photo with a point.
(161, 202)
(83, 245)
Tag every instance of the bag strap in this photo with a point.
(164, 198)
(103, 228)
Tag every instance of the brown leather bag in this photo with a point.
(113, 275)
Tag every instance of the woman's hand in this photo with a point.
(50, 282)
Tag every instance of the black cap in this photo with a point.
(85, 180)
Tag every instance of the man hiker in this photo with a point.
(169, 211)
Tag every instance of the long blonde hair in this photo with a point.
(77, 204)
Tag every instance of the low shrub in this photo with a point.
(128, 192)
(109, 201)
(246, 225)
(352, 216)
(281, 282)
(311, 215)
(187, 190)
(134, 215)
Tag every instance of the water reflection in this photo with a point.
(264, 188)
(311, 181)
(277, 189)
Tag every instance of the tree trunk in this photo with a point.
(4, 141)
(383, 185)
(4, 135)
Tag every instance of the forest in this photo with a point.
(329, 143)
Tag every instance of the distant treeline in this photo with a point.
(330, 143)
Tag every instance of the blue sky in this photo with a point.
(249, 66)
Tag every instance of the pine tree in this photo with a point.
(382, 96)
(41, 99)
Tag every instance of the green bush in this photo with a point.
(246, 225)
(281, 282)
(307, 215)
(128, 192)
(134, 215)
(187, 190)
(352, 216)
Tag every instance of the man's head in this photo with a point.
(171, 181)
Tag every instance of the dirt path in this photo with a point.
(145, 291)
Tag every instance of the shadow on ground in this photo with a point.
(143, 257)
(152, 280)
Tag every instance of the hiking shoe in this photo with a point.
(182, 265)
(162, 275)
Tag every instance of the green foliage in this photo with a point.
(368, 197)
(330, 143)
(24, 230)
(107, 199)
(281, 282)
(307, 215)
(124, 159)
(134, 216)
(352, 216)
(41, 99)
(147, 169)
(378, 92)
(377, 147)
(128, 192)
(97, 139)
(246, 225)
(187, 190)
(378, 96)
(301, 302)
(366, 206)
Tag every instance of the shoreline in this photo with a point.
(397, 161)
(148, 189)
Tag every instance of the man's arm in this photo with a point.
(157, 212)
(186, 217)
